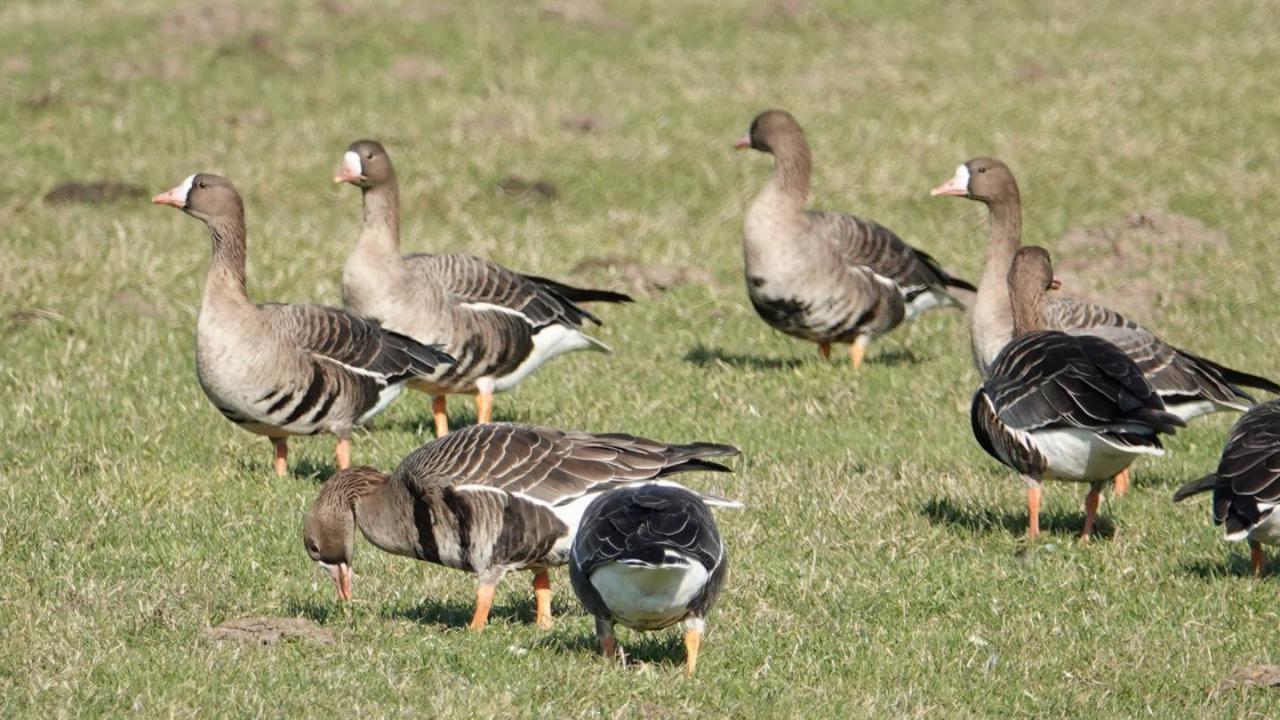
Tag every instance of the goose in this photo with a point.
(1246, 485)
(489, 499)
(648, 557)
(281, 370)
(828, 277)
(1063, 407)
(1190, 385)
(501, 325)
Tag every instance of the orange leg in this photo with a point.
(484, 407)
(1255, 557)
(1033, 510)
(1122, 483)
(439, 412)
(542, 597)
(282, 455)
(609, 647)
(692, 641)
(824, 349)
(856, 352)
(1090, 511)
(343, 453)
(484, 603)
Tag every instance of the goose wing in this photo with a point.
(863, 242)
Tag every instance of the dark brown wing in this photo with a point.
(863, 242)
(1249, 470)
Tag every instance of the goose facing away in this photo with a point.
(828, 277)
(279, 370)
(1190, 385)
(648, 557)
(1246, 485)
(1063, 407)
(490, 499)
(499, 324)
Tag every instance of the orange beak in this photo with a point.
(1055, 284)
(176, 197)
(341, 574)
(742, 143)
(950, 187)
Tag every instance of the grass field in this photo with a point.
(878, 569)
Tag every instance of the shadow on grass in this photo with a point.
(663, 647)
(944, 511)
(703, 356)
(895, 357)
(423, 427)
(1231, 564)
(319, 612)
(313, 470)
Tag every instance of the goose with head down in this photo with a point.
(1190, 385)
(822, 276)
(280, 370)
(501, 325)
(490, 499)
(1063, 407)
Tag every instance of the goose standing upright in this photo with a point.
(1190, 385)
(281, 370)
(490, 499)
(1063, 407)
(828, 277)
(1246, 485)
(648, 557)
(499, 324)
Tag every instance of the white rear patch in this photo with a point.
(649, 597)
(548, 343)
(1082, 455)
(385, 396)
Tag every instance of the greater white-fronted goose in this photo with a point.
(648, 557)
(822, 276)
(1246, 486)
(281, 370)
(1189, 384)
(499, 324)
(489, 499)
(1063, 407)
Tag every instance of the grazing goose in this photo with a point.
(281, 370)
(1246, 486)
(500, 325)
(489, 499)
(827, 277)
(1189, 384)
(1063, 407)
(648, 557)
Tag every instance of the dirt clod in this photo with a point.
(1264, 676)
(269, 631)
(411, 68)
(528, 190)
(101, 191)
(588, 13)
(631, 276)
(585, 122)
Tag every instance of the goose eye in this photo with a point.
(368, 156)
(982, 169)
(202, 184)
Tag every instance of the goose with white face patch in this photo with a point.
(1063, 407)
(828, 277)
(491, 499)
(499, 324)
(648, 557)
(1246, 485)
(281, 370)
(1190, 385)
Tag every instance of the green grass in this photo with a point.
(878, 569)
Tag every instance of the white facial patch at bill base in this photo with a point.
(180, 193)
(351, 164)
(961, 180)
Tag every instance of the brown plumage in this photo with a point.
(828, 277)
(500, 325)
(489, 499)
(281, 370)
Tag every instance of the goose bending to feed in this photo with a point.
(822, 276)
(489, 499)
(499, 324)
(1190, 385)
(280, 370)
(648, 557)
(1063, 407)
(1246, 485)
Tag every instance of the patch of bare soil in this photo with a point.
(631, 276)
(133, 303)
(215, 21)
(269, 631)
(101, 191)
(168, 67)
(768, 11)
(1128, 264)
(1262, 676)
(528, 190)
(16, 65)
(253, 117)
(411, 68)
(587, 13)
(586, 122)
